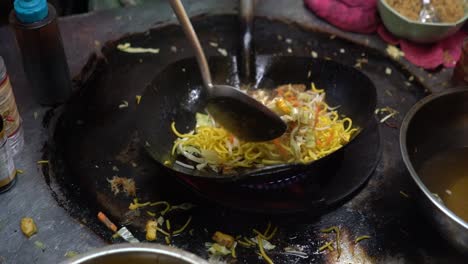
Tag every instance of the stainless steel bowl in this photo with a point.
(436, 123)
(141, 253)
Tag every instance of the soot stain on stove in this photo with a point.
(83, 155)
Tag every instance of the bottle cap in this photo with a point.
(2, 69)
(30, 11)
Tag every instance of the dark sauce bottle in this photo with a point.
(40, 43)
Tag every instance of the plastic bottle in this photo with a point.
(7, 167)
(40, 43)
(13, 128)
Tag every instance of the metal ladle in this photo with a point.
(239, 113)
(428, 13)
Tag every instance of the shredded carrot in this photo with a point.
(282, 150)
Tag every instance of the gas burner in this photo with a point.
(303, 191)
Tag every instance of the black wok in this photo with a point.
(176, 94)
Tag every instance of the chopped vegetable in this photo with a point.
(328, 246)
(295, 252)
(151, 213)
(103, 218)
(18, 171)
(151, 230)
(361, 238)
(137, 99)
(168, 225)
(28, 227)
(222, 52)
(233, 250)
(386, 110)
(71, 254)
(42, 162)
(223, 239)
(124, 104)
(217, 249)
(262, 251)
(39, 245)
(404, 194)
(180, 230)
(168, 240)
(336, 230)
(135, 204)
(127, 47)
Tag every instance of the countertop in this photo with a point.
(83, 35)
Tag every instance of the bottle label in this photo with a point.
(7, 167)
(8, 108)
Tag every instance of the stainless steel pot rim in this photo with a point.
(135, 248)
(404, 151)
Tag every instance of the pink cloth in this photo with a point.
(352, 15)
(361, 16)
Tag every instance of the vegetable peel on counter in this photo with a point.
(314, 130)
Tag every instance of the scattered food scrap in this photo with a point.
(388, 71)
(124, 104)
(394, 52)
(18, 171)
(289, 50)
(360, 62)
(223, 52)
(314, 54)
(297, 252)
(288, 40)
(390, 112)
(151, 230)
(223, 239)
(327, 245)
(138, 99)
(103, 218)
(213, 44)
(360, 238)
(404, 194)
(125, 185)
(127, 47)
(41, 162)
(28, 227)
(39, 245)
(335, 230)
(71, 254)
(342, 50)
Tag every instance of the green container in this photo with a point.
(416, 31)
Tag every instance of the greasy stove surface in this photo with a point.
(95, 139)
(377, 208)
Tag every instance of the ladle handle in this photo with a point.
(247, 63)
(184, 21)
